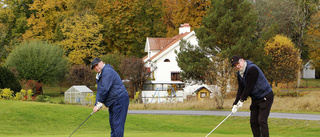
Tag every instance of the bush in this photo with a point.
(43, 98)
(290, 93)
(81, 75)
(6, 94)
(8, 80)
(40, 61)
(61, 102)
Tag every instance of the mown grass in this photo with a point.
(24, 118)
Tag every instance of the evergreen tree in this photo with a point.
(192, 61)
(229, 28)
(9, 80)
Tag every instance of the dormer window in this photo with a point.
(166, 60)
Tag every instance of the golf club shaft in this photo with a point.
(81, 124)
(220, 124)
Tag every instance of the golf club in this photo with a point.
(220, 123)
(81, 124)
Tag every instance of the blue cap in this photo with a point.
(94, 62)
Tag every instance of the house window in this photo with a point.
(166, 60)
(175, 76)
(203, 94)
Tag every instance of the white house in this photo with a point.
(161, 61)
(308, 71)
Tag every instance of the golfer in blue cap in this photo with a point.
(112, 93)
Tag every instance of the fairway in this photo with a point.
(144, 134)
(34, 119)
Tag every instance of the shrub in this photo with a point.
(8, 80)
(6, 94)
(27, 95)
(40, 98)
(81, 75)
(40, 61)
(43, 98)
(61, 102)
(35, 86)
(92, 99)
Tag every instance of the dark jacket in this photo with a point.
(253, 83)
(109, 86)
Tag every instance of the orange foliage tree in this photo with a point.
(284, 63)
(181, 11)
(82, 37)
(312, 39)
(43, 23)
(127, 23)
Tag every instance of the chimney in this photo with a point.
(184, 28)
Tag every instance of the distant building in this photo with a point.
(161, 58)
(308, 71)
(161, 62)
(78, 95)
(202, 93)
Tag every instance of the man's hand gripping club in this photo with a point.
(97, 107)
(236, 107)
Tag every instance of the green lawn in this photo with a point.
(35, 119)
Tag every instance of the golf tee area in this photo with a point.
(36, 119)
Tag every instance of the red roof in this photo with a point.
(160, 43)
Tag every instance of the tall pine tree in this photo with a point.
(229, 28)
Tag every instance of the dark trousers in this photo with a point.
(117, 116)
(260, 110)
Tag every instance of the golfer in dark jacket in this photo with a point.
(253, 83)
(112, 93)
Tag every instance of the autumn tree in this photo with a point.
(285, 60)
(127, 23)
(82, 37)
(312, 39)
(291, 17)
(181, 11)
(219, 75)
(44, 21)
(13, 23)
(133, 69)
(39, 61)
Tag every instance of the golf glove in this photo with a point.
(234, 109)
(99, 105)
(239, 104)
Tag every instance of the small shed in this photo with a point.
(202, 92)
(308, 71)
(78, 94)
